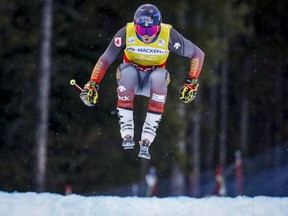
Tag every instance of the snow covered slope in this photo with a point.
(47, 204)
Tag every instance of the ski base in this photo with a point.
(144, 155)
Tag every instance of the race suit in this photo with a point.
(143, 69)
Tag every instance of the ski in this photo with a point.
(128, 144)
(144, 150)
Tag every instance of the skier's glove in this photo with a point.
(189, 90)
(89, 95)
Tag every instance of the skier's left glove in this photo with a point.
(89, 95)
(189, 90)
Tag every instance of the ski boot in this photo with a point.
(144, 149)
(128, 142)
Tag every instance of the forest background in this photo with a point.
(241, 103)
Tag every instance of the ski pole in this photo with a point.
(73, 83)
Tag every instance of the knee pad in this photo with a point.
(160, 75)
(122, 67)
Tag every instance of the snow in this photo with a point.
(46, 204)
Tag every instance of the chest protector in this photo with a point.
(153, 54)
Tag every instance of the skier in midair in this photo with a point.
(146, 43)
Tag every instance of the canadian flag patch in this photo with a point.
(118, 41)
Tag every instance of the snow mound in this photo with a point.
(48, 204)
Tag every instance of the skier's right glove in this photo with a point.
(189, 90)
(89, 95)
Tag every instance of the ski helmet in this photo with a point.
(147, 15)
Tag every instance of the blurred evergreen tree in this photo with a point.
(19, 54)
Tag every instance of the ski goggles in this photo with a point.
(150, 31)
